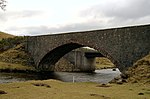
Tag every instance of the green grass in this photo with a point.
(62, 90)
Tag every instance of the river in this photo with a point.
(99, 76)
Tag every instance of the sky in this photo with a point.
(40, 17)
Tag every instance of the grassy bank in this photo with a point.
(140, 71)
(15, 60)
(13, 57)
(51, 89)
(103, 63)
(9, 67)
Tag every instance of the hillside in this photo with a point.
(13, 57)
(140, 71)
(5, 35)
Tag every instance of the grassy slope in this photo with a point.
(13, 59)
(5, 35)
(63, 90)
(14, 55)
(140, 71)
(102, 63)
(8, 67)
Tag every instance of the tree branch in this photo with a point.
(2, 4)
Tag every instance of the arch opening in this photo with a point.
(51, 58)
(83, 59)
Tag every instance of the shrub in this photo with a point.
(7, 43)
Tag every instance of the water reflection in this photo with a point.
(100, 76)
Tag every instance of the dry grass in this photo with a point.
(140, 71)
(5, 35)
(62, 90)
(102, 62)
(15, 60)
(12, 67)
(16, 55)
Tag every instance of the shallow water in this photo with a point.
(99, 76)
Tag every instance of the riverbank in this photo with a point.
(16, 68)
(52, 89)
(140, 71)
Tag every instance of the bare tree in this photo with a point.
(2, 4)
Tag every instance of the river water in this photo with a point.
(99, 76)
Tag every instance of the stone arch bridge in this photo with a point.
(123, 46)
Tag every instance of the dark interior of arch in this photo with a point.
(53, 56)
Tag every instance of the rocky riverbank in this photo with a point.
(138, 73)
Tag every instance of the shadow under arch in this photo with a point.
(53, 56)
(48, 61)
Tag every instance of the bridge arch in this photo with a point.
(124, 44)
(48, 61)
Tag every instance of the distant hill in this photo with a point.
(5, 35)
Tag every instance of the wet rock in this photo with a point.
(117, 78)
(119, 82)
(112, 81)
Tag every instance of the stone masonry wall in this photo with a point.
(123, 46)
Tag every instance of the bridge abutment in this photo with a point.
(84, 64)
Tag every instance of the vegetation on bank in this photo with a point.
(103, 63)
(16, 55)
(140, 71)
(16, 68)
(13, 57)
(7, 43)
